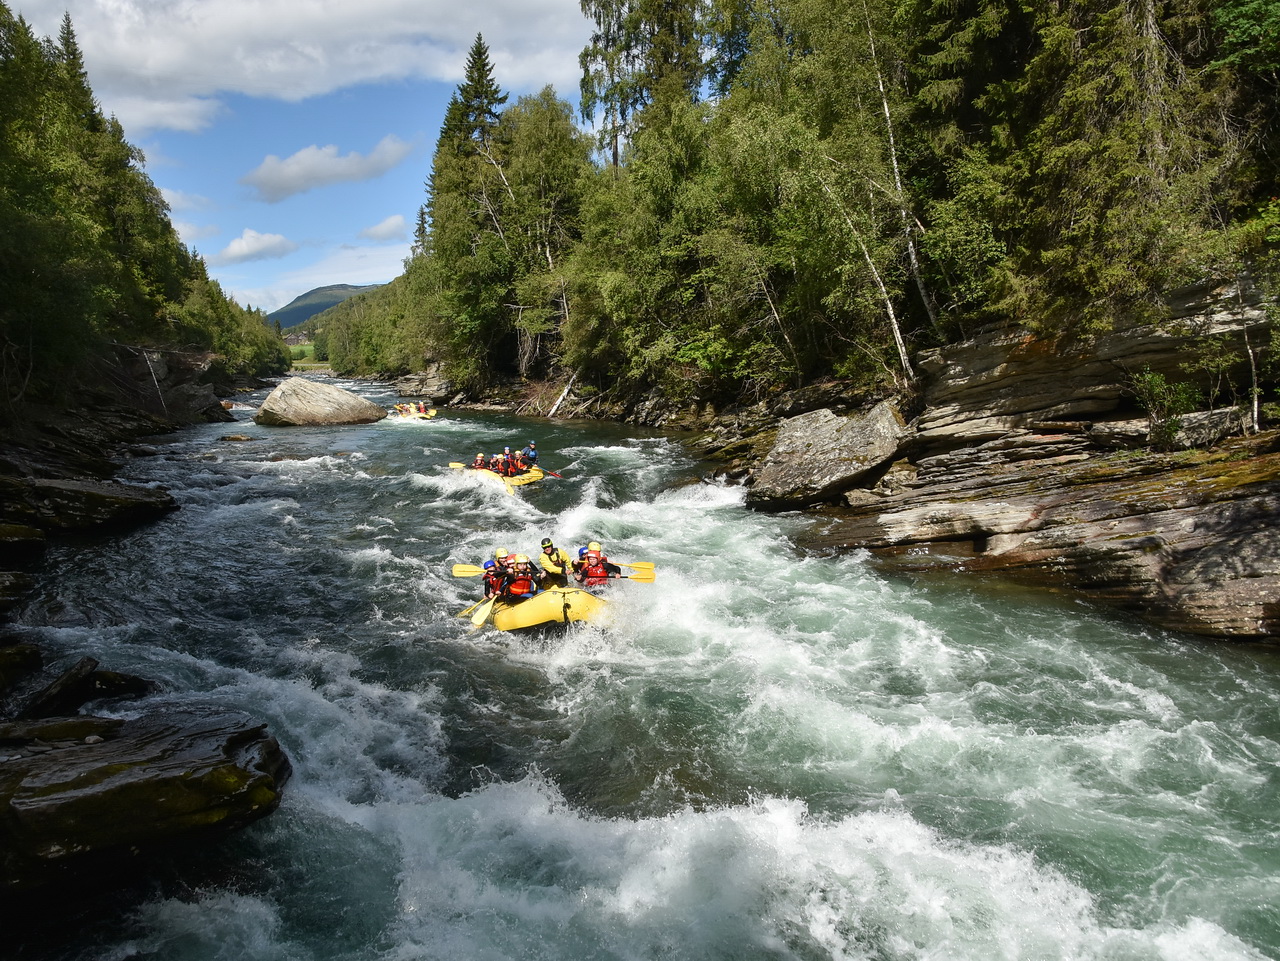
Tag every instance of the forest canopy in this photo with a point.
(88, 255)
(772, 191)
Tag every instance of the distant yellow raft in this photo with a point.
(511, 483)
(555, 605)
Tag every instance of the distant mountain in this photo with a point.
(306, 306)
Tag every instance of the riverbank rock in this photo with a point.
(50, 504)
(1191, 542)
(89, 796)
(180, 386)
(55, 470)
(818, 455)
(298, 402)
(1026, 459)
(429, 384)
(1007, 378)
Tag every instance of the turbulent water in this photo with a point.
(762, 755)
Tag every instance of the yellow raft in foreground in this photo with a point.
(554, 605)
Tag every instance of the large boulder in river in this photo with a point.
(80, 794)
(819, 455)
(299, 402)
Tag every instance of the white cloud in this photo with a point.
(164, 63)
(189, 233)
(391, 229)
(313, 166)
(348, 265)
(181, 200)
(252, 245)
(158, 110)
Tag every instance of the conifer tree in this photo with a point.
(640, 51)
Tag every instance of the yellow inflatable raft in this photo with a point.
(555, 605)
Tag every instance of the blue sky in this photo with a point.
(292, 138)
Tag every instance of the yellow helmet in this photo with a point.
(594, 546)
(522, 558)
(500, 553)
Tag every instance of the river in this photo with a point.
(761, 755)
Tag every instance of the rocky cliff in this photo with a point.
(1029, 458)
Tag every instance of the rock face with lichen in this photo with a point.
(1027, 459)
(1190, 542)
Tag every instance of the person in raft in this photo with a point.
(492, 579)
(595, 569)
(555, 565)
(479, 463)
(502, 562)
(520, 581)
(530, 454)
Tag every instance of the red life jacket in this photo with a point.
(594, 571)
(521, 584)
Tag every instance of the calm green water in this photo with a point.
(762, 755)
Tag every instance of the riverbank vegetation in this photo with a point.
(778, 191)
(88, 255)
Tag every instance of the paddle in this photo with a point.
(644, 577)
(467, 570)
(473, 607)
(482, 613)
(637, 566)
(551, 472)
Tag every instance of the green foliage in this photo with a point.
(1250, 34)
(1165, 402)
(871, 178)
(88, 252)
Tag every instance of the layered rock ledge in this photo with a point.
(1029, 458)
(1190, 543)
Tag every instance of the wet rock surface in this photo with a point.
(86, 796)
(1189, 543)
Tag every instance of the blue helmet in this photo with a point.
(489, 565)
(582, 552)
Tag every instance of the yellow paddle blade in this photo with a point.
(644, 577)
(471, 608)
(456, 464)
(467, 570)
(482, 613)
(637, 566)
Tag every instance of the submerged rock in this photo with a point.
(82, 795)
(298, 402)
